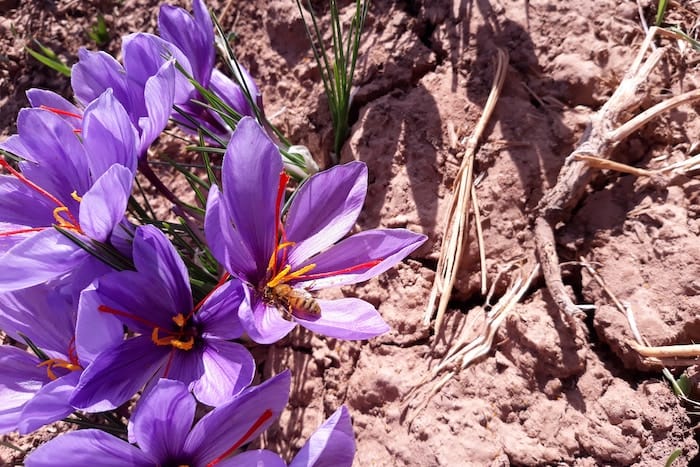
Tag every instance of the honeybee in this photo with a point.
(293, 302)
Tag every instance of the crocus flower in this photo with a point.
(282, 262)
(147, 85)
(174, 339)
(34, 392)
(162, 428)
(80, 185)
(197, 43)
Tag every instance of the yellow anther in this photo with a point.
(159, 340)
(285, 275)
(279, 278)
(186, 345)
(75, 196)
(180, 319)
(60, 220)
(57, 362)
(301, 272)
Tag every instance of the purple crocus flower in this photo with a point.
(35, 392)
(174, 339)
(81, 185)
(280, 263)
(167, 439)
(147, 85)
(194, 36)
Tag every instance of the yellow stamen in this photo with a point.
(273, 257)
(180, 319)
(75, 196)
(174, 340)
(285, 275)
(160, 340)
(279, 278)
(301, 272)
(187, 345)
(60, 220)
(57, 362)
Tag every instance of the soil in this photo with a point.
(548, 392)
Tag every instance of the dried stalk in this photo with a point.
(667, 351)
(604, 132)
(456, 222)
(468, 349)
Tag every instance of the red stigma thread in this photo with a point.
(266, 415)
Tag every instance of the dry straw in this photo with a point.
(463, 199)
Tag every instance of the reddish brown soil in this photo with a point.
(547, 393)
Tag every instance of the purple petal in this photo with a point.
(230, 92)
(83, 448)
(108, 135)
(218, 316)
(332, 445)
(159, 96)
(139, 301)
(95, 331)
(60, 164)
(155, 256)
(347, 318)
(41, 257)
(144, 55)
(102, 208)
(50, 403)
(325, 209)
(194, 36)
(27, 311)
(263, 323)
(96, 72)
(251, 174)
(20, 379)
(225, 242)
(388, 246)
(118, 373)
(185, 365)
(14, 145)
(22, 205)
(228, 369)
(258, 458)
(226, 426)
(162, 419)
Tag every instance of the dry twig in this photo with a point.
(468, 348)
(457, 221)
(604, 132)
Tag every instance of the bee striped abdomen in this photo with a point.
(296, 302)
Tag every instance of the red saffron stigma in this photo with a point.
(320, 275)
(266, 415)
(284, 178)
(113, 311)
(73, 352)
(75, 225)
(21, 231)
(221, 282)
(60, 112)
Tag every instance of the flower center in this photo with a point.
(181, 338)
(275, 290)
